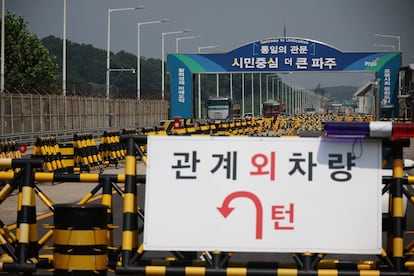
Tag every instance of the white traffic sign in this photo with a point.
(263, 194)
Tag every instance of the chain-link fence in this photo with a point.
(23, 115)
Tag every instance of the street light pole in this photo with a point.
(267, 85)
(64, 51)
(393, 36)
(139, 53)
(108, 45)
(163, 58)
(199, 78)
(3, 24)
(207, 47)
(182, 38)
(385, 45)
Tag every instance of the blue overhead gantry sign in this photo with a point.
(279, 55)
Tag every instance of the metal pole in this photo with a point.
(199, 96)
(393, 36)
(3, 24)
(64, 50)
(217, 85)
(385, 45)
(3, 4)
(138, 64)
(252, 86)
(267, 87)
(162, 66)
(207, 47)
(260, 94)
(163, 59)
(139, 53)
(243, 94)
(108, 46)
(231, 85)
(199, 78)
(182, 38)
(108, 50)
(377, 97)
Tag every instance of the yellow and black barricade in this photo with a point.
(80, 239)
(68, 156)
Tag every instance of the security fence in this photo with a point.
(23, 115)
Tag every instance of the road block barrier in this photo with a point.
(21, 249)
(68, 157)
(305, 264)
(111, 148)
(86, 153)
(47, 149)
(294, 125)
(25, 245)
(12, 149)
(214, 262)
(80, 239)
(129, 131)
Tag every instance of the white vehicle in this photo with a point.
(248, 115)
(219, 108)
(310, 110)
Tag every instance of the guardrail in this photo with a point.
(61, 136)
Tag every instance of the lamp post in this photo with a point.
(392, 36)
(139, 53)
(207, 47)
(267, 85)
(217, 75)
(199, 77)
(385, 45)
(273, 87)
(182, 38)
(3, 12)
(108, 46)
(64, 51)
(163, 58)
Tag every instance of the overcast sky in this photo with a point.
(348, 25)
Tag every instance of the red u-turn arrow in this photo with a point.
(225, 209)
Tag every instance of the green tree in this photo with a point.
(28, 65)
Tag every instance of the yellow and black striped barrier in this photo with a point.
(26, 232)
(25, 245)
(69, 253)
(68, 157)
(47, 149)
(86, 153)
(110, 148)
(80, 240)
(294, 125)
(12, 149)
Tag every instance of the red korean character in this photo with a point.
(280, 213)
(264, 164)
